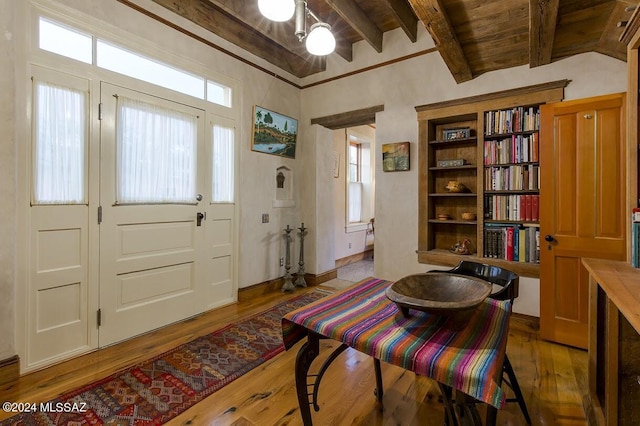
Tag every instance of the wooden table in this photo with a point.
(614, 343)
(468, 360)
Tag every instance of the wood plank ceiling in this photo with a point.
(472, 36)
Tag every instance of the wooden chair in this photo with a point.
(508, 283)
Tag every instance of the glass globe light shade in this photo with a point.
(320, 40)
(277, 10)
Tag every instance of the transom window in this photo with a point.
(71, 43)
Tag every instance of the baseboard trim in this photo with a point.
(9, 370)
(533, 321)
(354, 258)
(266, 287)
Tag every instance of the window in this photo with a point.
(223, 153)
(62, 40)
(218, 94)
(156, 152)
(354, 210)
(56, 38)
(359, 191)
(117, 59)
(60, 139)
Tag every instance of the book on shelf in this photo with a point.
(514, 207)
(635, 237)
(514, 149)
(510, 242)
(518, 119)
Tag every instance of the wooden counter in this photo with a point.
(614, 343)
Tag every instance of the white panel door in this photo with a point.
(152, 248)
(59, 303)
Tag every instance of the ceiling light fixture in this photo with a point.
(319, 41)
(277, 10)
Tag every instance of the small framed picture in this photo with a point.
(457, 133)
(395, 157)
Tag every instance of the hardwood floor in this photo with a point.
(553, 379)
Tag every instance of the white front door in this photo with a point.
(131, 218)
(153, 257)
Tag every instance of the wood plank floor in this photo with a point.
(553, 379)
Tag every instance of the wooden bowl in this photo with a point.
(455, 297)
(443, 216)
(468, 216)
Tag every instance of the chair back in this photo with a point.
(508, 280)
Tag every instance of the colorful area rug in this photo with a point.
(155, 391)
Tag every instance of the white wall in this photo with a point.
(7, 179)
(422, 80)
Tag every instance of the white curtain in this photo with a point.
(60, 145)
(355, 202)
(223, 148)
(156, 154)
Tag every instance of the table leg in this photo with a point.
(379, 391)
(307, 353)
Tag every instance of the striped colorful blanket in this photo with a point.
(469, 360)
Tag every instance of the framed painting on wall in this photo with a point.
(273, 133)
(395, 156)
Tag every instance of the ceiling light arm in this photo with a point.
(301, 19)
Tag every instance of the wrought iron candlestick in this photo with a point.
(300, 282)
(288, 284)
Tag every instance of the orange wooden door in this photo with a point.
(582, 207)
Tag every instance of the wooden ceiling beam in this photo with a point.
(212, 17)
(358, 20)
(247, 13)
(543, 15)
(349, 119)
(405, 17)
(434, 18)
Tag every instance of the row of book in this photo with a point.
(513, 243)
(519, 119)
(635, 237)
(516, 149)
(512, 178)
(515, 207)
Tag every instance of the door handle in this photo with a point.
(549, 238)
(199, 219)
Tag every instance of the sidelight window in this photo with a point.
(223, 149)
(60, 140)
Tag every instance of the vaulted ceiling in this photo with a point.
(472, 36)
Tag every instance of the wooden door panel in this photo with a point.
(582, 207)
(565, 177)
(609, 188)
(567, 269)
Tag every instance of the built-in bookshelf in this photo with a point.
(512, 184)
(490, 145)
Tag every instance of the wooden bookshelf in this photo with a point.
(436, 123)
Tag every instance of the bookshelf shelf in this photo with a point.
(493, 168)
(453, 194)
(453, 168)
(454, 222)
(454, 142)
(513, 191)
